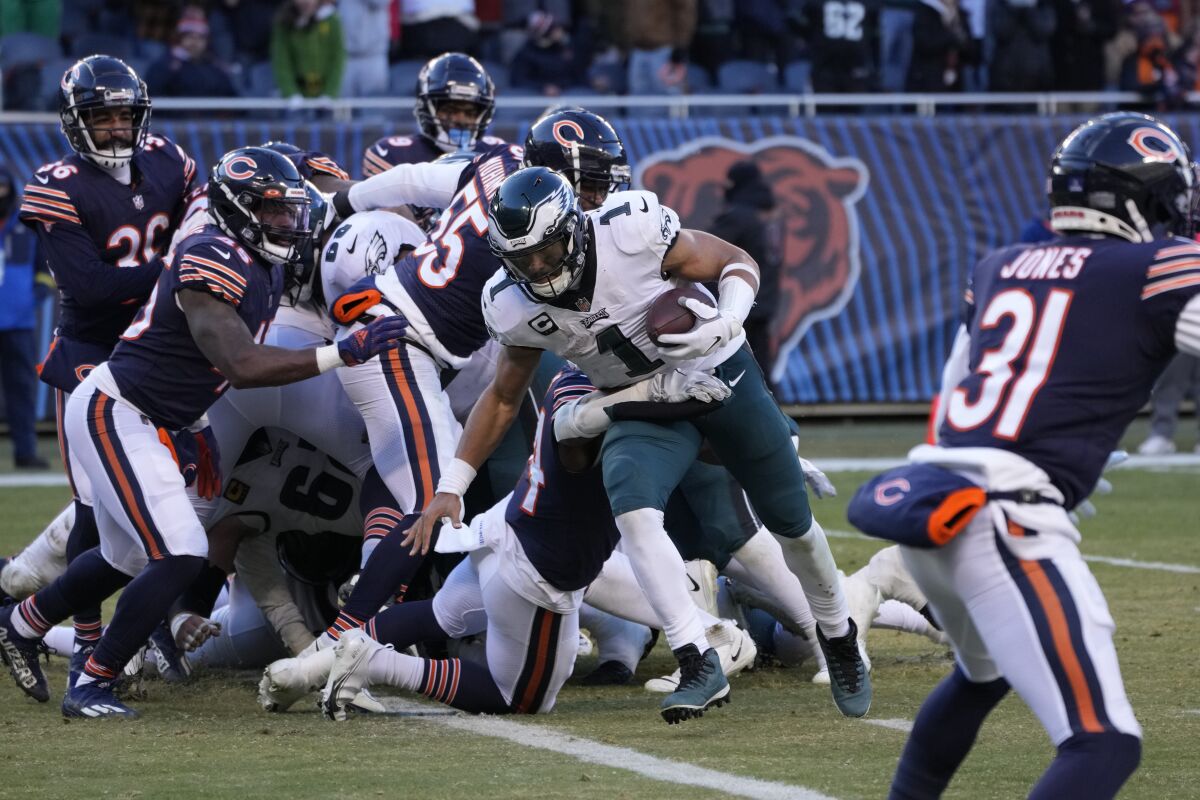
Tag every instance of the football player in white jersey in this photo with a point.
(581, 287)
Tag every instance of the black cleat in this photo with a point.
(20, 655)
(848, 677)
(702, 685)
(610, 673)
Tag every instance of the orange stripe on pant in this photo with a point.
(546, 623)
(123, 483)
(418, 431)
(1063, 648)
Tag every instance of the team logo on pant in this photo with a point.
(817, 233)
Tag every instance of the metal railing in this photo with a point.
(674, 106)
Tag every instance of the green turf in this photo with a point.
(210, 739)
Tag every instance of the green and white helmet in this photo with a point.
(538, 231)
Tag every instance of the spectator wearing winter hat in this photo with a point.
(749, 221)
(546, 63)
(188, 69)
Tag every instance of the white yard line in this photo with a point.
(661, 769)
(904, 725)
(1160, 566)
(23, 480)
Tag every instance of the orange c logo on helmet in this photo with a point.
(232, 167)
(571, 125)
(1167, 151)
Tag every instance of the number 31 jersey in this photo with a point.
(1067, 339)
(600, 325)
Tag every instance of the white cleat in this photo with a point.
(585, 645)
(735, 647)
(1156, 445)
(702, 584)
(348, 677)
(287, 680)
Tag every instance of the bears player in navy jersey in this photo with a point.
(103, 217)
(455, 103)
(1062, 343)
(138, 418)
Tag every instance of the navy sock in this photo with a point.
(83, 537)
(464, 685)
(1089, 766)
(406, 624)
(942, 735)
(761, 627)
(142, 606)
(88, 581)
(388, 571)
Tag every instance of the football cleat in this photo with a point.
(585, 645)
(1156, 445)
(289, 679)
(701, 687)
(849, 678)
(735, 648)
(95, 700)
(20, 655)
(348, 677)
(79, 658)
(610, 673)
(863, 599)
(173, 666)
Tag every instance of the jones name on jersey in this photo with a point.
(600, 324)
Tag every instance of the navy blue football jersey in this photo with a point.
(157, 365)
(416, 149)
(103, 241)
(445, 275)
(562, 518)
(1067, 339)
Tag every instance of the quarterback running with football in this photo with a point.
(580, 286)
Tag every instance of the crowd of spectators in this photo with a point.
(365, 48)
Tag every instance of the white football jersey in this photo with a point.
(367, 243)
(290, 485)
(604, 329)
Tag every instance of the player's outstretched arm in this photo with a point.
(226, 342)
(429, 185)
(491, 417)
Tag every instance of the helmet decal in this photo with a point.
(233, 167)
(570, 125)
(1155, 145)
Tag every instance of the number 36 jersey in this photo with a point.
(1066, 340)
(600, 325)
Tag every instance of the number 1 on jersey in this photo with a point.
(613, 340)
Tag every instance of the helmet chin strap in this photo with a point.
(1065, 219)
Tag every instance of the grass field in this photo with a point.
(210, 739)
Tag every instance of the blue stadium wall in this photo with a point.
(879, 219)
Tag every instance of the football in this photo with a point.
(667, 316)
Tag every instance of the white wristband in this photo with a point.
(736, 296)
(328, 358)
(456, 478)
